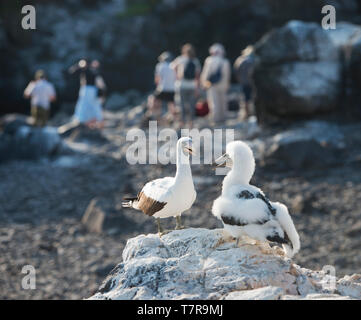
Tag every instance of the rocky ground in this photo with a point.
(42, 203)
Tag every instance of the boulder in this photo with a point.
(298, 72)
(300, 88)
(347, 38)
(344, 34)
(19, 140)
(93, 217)
(299, 154)
(12, 122)
(316, 144)
(296, 41)
(354, 75)
(207, 264)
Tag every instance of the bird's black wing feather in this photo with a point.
(271, 209)
(241, 223)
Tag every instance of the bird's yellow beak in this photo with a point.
(191, 150)
(221, 161)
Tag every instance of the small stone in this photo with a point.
(266, 293)
(93, 217)
(355, 230)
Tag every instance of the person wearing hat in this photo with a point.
(215, 78)
(42, 93)
(164, 79)
(243, 68)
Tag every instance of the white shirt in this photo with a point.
(179, 64)
(166, 76)
(41, 91)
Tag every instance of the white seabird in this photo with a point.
(245, 210)
(169, 196)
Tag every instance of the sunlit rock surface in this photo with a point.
(206, 264)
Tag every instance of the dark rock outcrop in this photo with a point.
(19, 140)
(304, 70)
(298, 72)
(314, 145)
(347, 38)
(354, 72)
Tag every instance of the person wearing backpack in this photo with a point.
(243, 68)
(215, 78)
(187, 68)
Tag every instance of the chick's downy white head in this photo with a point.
(243, 163)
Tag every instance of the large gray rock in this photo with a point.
(347, 38)
(298, 72)
(354, 73)
(299, 88)
(19, 140)
(206, 264)
(296, 41)
(316, 144)
(344, 34)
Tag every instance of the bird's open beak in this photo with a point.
(191, 150)
(221, 161)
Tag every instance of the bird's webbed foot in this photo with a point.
(265, 248)
(243, 240)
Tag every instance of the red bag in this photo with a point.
(202, 108)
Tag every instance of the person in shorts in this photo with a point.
(42, 93)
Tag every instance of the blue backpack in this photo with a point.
(190, 70)
(216, 76)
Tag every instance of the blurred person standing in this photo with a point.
(188, 69)
(243, 68)
(88, 107)
(164, 79)
(42, 93)
(215, 77)
(99, 82)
